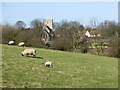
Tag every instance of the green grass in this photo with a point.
(70, 70)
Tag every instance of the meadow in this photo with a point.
(70, 70)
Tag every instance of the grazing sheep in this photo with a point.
(48, 64)
(21, 44)
(11, 43)
(29, 51)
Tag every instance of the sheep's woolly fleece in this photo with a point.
(29, 51)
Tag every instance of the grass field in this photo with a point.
(70, 70)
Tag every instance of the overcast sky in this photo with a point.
(79, 11)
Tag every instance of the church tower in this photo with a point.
(47, 29)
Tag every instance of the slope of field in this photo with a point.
(70, 70)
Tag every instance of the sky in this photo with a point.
(60, 0)
(58, 11)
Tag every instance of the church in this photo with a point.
(47, 30)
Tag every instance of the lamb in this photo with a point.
(29, 51)
(21, 44)
(48, 64)
(11, 43)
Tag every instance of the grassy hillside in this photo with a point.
(69, 70)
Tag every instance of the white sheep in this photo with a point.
(48, 64)
(29, 51)
(21, 44)
(11, 43)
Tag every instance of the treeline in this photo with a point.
(68, 36)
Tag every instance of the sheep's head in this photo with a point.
(49, 64)
(22, 54)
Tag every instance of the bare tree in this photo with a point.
(93, 22)
(37, 24)
(71, 32)
(20, 25)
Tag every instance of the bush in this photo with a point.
(8, 33)
(61, 44)
(84, 48)
(113, 47)
(31, 37)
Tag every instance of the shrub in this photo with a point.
(61, 44)
(8, 33)
(113, 47)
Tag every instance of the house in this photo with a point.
(92, 33)
(87, 34)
